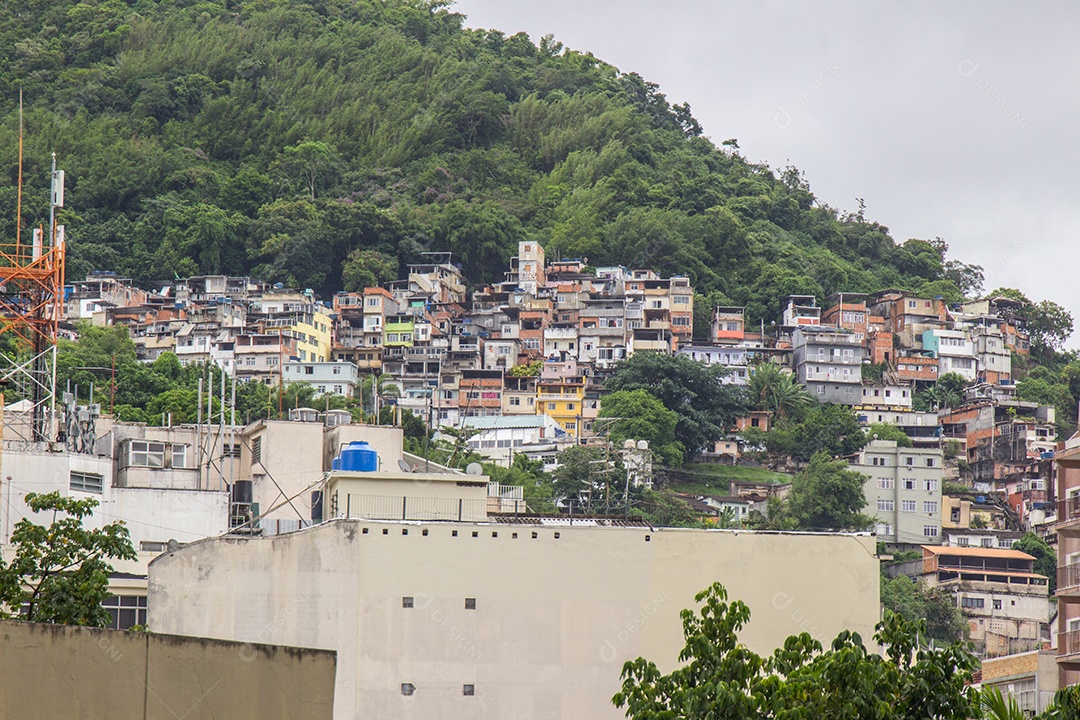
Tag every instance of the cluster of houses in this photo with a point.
(523, 362)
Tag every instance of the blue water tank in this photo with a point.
(357, 456)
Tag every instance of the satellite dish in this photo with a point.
(474, 469)
(405, 467)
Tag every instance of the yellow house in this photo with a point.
(562, 401)
(313, 336)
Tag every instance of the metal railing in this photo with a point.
(1068, 576)
(1069, 643)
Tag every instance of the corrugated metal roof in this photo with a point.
(977, 552)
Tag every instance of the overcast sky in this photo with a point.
(949, 119)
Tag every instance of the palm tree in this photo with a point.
(996, 706)
(774, 390)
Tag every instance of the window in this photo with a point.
(929, 463)
(470, 603)
(997, 604)
(179, 456)
(86, 482)
(930, 485)
(125, 611)
(552, 406)
(142, 453)
(309, 370)
(885, 483)
(406, 602)
(930, 507)
(256, 450)
(884, 529)
(909, 461)
(987, 542)
(972, 603)
(907, 505)
(515, 401)
(963, 542)
(150, 546)
(407, 689)
(929, 531)
(885, 505)
(909, 484)
(468, 690)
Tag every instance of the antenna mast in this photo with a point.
(31, 300)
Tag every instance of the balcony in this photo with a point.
(1068, 583)
(1068, 516)
(1069, 650)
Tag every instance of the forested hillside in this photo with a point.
(325, 144)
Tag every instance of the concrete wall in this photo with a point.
(56, 671)
(151, 514)
(556, 614)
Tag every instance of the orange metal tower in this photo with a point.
(31, 303)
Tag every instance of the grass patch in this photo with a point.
(714, 479)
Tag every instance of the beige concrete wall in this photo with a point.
(556, 615)
(56, 671)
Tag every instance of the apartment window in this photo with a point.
(309, 370)
(469, 690)
(930, 485)
(552, 406)
(515, 401)
(987, 542)
(571, 426)
(681, 299)
(406, 602)
(179, 456)
(884, 529)
(886, 505)
(963, 542)
(125, 611)
(910, 484)
(929, 531)
(885, 483)
(470, 603)
(973, 603)
(151, 546)
(929, 462)
(256, 450)
(930, 507)
(907, 505)
(570, 407)
(407, 689)
(909, 461)
(86, 482)
(146, 454)
(997, 604)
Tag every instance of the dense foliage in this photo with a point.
(914, 600)
(325, 144)
(60, 572)
(719, 677)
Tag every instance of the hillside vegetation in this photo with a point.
(325, 144)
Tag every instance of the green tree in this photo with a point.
(642, 417)
(774, 390)
(368, 268)
(706, 407)
(914, 600)
(588, 474)
(719, 677)
(1045, 557)
(60, 572)
(828, 495)
(306, 164)
(888, 431)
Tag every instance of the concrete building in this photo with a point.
(337, 378)
(60, 671)
(501, 437)
(954, 351)
(828, 363)
(1067, 496)
(733, 358)
(1031, 678)
(1004, 601)
(492, 620)
(903, 491)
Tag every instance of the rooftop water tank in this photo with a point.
(357, 456)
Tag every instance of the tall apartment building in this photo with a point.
(828, 363)
(903, 491)
(1068, 552)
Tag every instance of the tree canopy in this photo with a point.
(719, 677)
(828, 495)
(279, 138)
(705, 407)
(60, 572)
